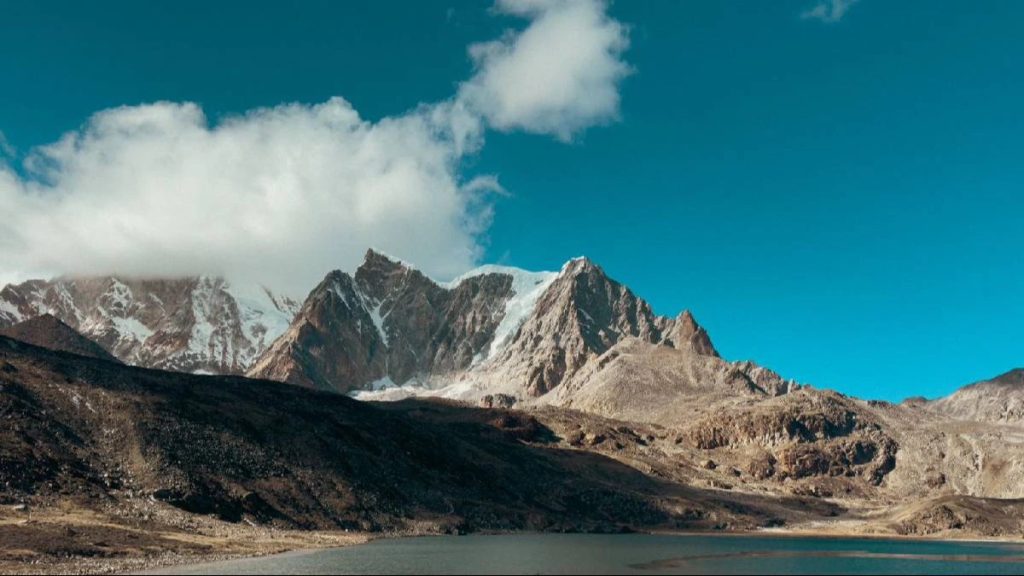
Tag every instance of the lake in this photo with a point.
(636, 554)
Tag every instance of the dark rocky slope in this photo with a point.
(117, 438)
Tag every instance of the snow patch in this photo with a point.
(10, 312)
(261, 318)
(385, 390)
(383, 383)
(201, 342)
(341, 295)
(131, 329)
(263, 315)
(378, 321)
(66, 302)
(527, 288)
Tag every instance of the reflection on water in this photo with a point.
(637, 554)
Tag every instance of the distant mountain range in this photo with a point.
(200, 324)
(494, 330)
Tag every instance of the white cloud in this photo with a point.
(557, 77)
(287, 192)
(282, 195)
(829, 11)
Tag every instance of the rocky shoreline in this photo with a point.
(68, 540)
(76, 541)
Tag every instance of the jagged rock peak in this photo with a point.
(687, 332)
(376, 258)
(388, 324)
(335, 282)
(579, 317)
(581, 264)
(380, 264)
(380, 275)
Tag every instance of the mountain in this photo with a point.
(389, 325)
(199, 324)
(581, 315)
(999, 400)
(47, 331)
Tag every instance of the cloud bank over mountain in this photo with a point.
(291, 191)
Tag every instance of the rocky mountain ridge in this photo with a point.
(574, 338)
(999, 400)
(388, 326)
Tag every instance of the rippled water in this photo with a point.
(637, 554)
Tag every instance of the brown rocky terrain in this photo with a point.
(639, 381)
(241, 449)
(589, 346)
(69, 539)
(953, 515)
(999, 400)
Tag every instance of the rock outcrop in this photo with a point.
(806, 434)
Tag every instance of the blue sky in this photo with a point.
(841, 201)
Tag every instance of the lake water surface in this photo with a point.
(636, 554)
